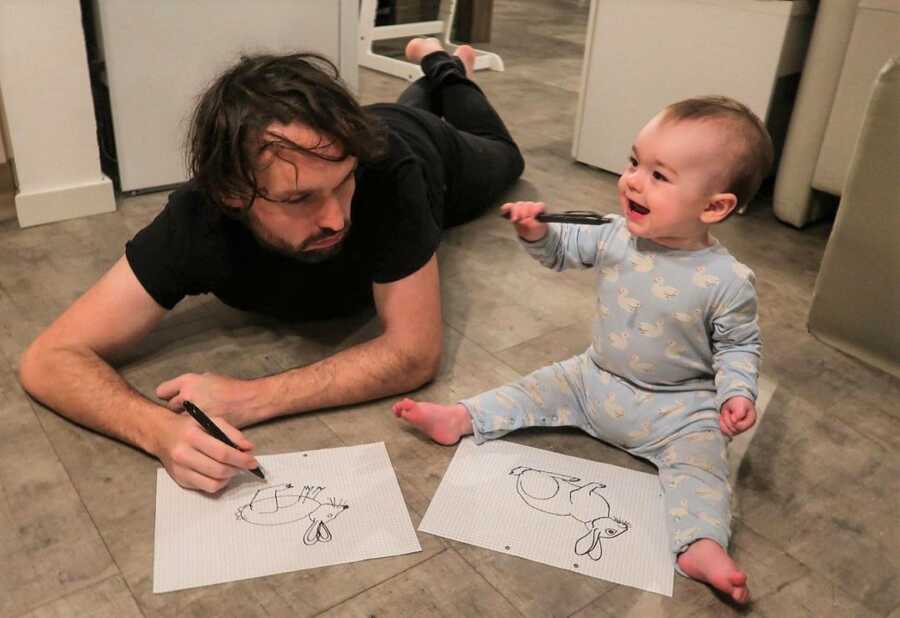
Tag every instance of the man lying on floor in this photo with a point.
(283, 160)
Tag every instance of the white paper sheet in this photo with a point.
(316, 508)
(531, 503)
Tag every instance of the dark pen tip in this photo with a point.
(258, 473)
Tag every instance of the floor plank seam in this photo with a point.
(810, 570)
(87, 511)
(487, 351)
(78, 591)
(377, 584)
(485, 579)
(588, 604)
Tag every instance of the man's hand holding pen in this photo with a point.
(197, 460)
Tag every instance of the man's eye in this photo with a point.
(632, 161)
(659, 176)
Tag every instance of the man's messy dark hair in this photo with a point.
(228, 128)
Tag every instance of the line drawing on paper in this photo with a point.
(284, 504)
(567, 496)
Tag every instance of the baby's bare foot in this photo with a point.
(707, 561)
(443, 424)
(420, 47)
(467, 55)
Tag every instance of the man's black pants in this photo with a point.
(481, 158)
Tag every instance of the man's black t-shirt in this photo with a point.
(396, 214)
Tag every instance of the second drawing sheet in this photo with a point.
(580, 515)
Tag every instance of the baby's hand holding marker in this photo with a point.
(530, 219)
(522, 216)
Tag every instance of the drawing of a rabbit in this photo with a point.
(283, 504)
(566, 496)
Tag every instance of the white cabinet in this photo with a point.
(160, 56)
(642, 55)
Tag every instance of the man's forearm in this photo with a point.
(367, 371)
(81, 386)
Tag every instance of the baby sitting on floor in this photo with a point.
(671, 373)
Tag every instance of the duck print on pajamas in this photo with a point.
(675, 350)
(703, 280)
(638, 365)
(626, 302)
(534, 391)
(693, 318)
(619, 340)
(612, 408)
(679, 511)
(641, 433)
(642, 263)
(651, 330)
(610, 274)
(661, 290)
(676, 408)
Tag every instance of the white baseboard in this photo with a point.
(36, 208)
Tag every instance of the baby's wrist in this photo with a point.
(727, 398)
(535, 236)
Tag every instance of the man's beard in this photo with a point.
(302, 253)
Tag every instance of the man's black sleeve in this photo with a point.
(408, 234)
(160, 255)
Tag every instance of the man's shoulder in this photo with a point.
(387, 112)
(188, 223)
(388, 175)
(398, 149)
(188, 204)
(181, 251)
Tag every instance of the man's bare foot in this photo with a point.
(467, 55)
(443, 424)
(420, 47)
(707, 561)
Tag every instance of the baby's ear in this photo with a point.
(720, 206)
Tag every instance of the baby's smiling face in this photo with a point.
(672, 188)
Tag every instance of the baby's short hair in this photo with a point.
(754, 155)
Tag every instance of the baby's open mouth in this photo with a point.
(638, 208)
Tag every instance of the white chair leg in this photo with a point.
(369, 33)
(483, 59)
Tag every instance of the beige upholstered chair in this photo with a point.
(851, 41)
(856, 303)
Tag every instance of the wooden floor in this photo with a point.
(818, 493)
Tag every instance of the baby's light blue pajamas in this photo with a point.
(675, 335)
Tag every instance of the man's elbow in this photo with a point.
(29, 366)
(431, 366)
(423, 367)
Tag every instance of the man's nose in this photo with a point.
(331, 214)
